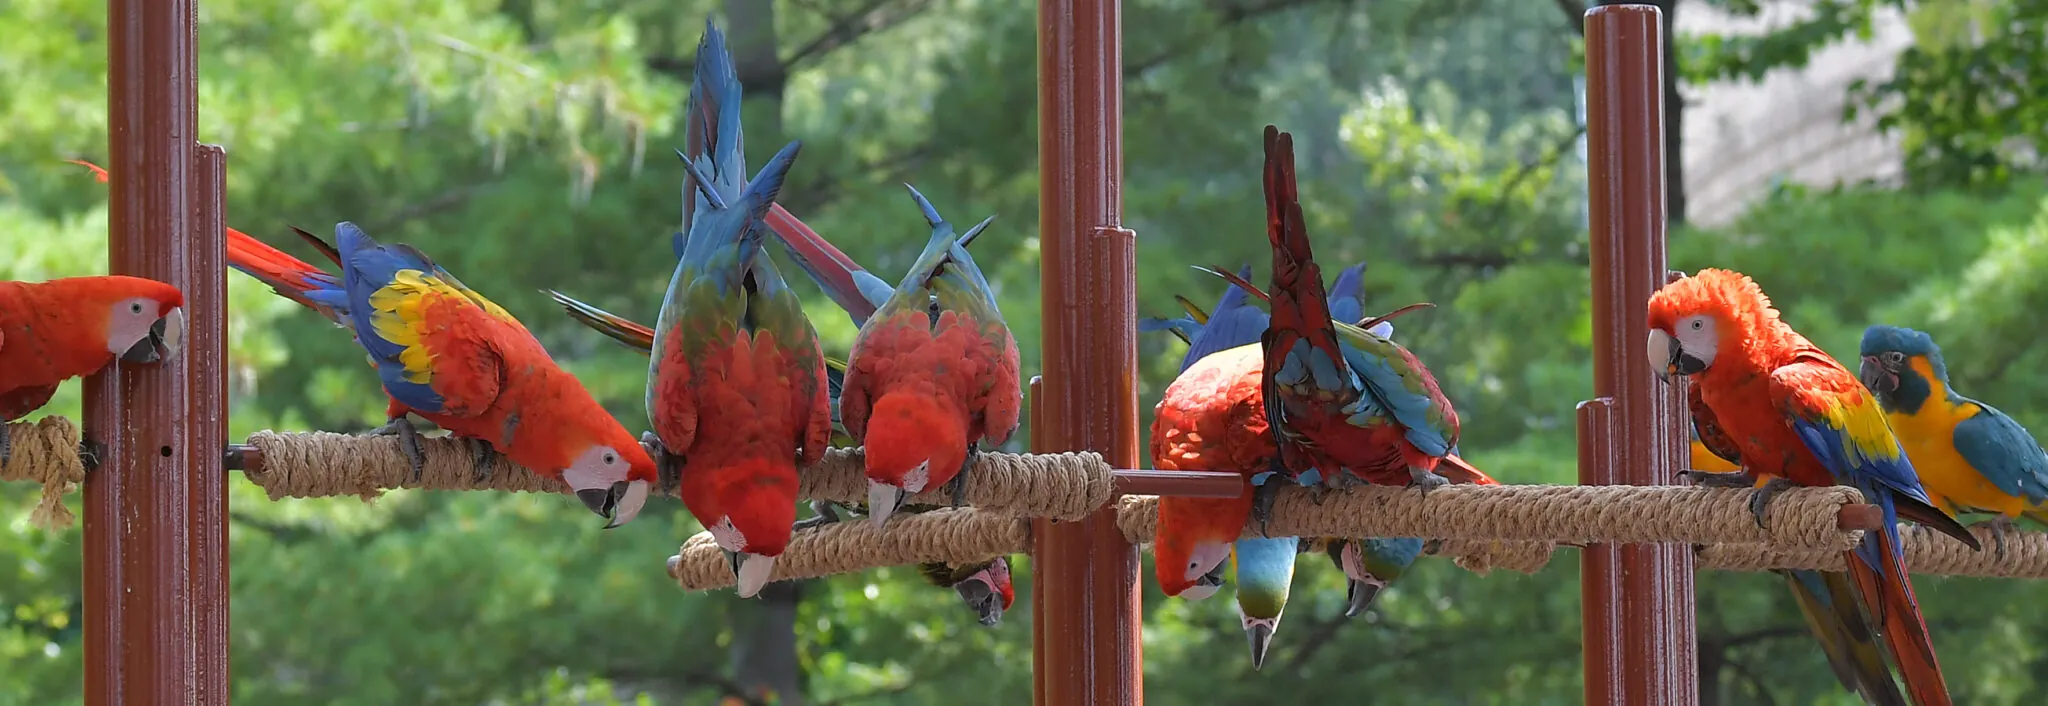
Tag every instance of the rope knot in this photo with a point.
(46, 451)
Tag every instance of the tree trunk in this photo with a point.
(750, 27)
(1674, 123)
(764, 656)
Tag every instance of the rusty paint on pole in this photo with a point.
(1086, 574)
(1638, 618)
(154, 508)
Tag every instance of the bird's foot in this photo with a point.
(668, 467)
(408, 442)
(1762, 499)
(959, 483)
(1425, 480)
(1999, 527)
(826, 515)
(1262, 504)
(1710, 479)
(1317, 492)
(482, 458)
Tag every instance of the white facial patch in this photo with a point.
(727, 536)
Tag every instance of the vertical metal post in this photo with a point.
(156, 603)
(1087, 574)
(1639, 634)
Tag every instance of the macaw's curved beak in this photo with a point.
(1668, 357)
(1358, 596)
(1204, 586)
(1260, 632)
(983, 598)
(883, 500)
(750, 572)
(1874, 376)
(165, 338)
(604, 501)
(627, 503)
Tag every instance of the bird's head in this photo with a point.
(611, 473)
(142, 320)
(1901, 366)
(1695, 320)
(913, 443)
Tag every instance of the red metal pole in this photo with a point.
(155, 617)
(1087, 575)
(1639, 633)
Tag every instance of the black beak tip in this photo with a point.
(1359, 596)
(599, 500)
(1261, 638)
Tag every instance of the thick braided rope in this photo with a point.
(1927, 552)
(1799, 518)
(46, 452)
(953, 535)
(321, 464)
(1137, 516)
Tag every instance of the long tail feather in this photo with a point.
(1905, 632)
(853, 288)
(618, 328)
(1458, 470)
(1834, 614)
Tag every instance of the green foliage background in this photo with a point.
(523, 143)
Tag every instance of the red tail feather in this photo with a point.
(1458, 470)
(1890, 596)
(832, 268)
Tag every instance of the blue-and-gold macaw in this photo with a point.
(1970, 456)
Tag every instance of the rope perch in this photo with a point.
(46, 452)
(953, 535)
(324, 464)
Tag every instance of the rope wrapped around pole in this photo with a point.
(46, 452)
(1064, 486)
(953, 535)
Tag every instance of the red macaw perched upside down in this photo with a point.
(65, 328)
(1345, 404)
(1795, 416)
(736, 384)
(932, 374)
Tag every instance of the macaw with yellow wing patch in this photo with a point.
(1795, 416)
(1970, 456)
(454, 358)
(1827, 599)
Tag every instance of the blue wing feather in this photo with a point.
(2004, 453)
(1387, 395)
(1878, 477)
(1347, 295)
(367, 267)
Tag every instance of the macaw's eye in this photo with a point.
(610, 459)
(1895, 357)
(1698, 324)
(135, 307)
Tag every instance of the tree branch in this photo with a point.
(875, 16)
(1230, 15)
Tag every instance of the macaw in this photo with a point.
(71, 327)
(985, 587)
(1339, 398)
(1795, 416)
(1826, 598)
(456, 359)
(1970, 456)
(931, 374)
(1265, 565)
(735, 363)
(1370, 565)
